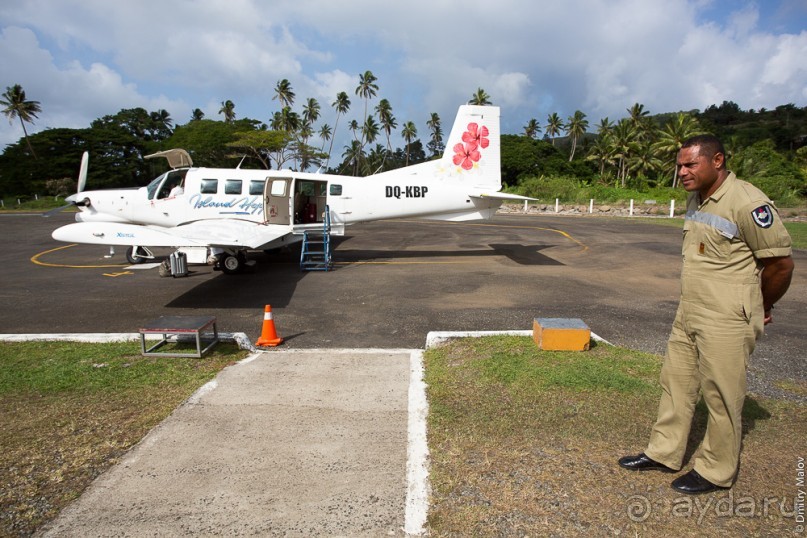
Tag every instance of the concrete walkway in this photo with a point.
(291, 443)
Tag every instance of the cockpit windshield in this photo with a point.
(152, 187)
(161, 187)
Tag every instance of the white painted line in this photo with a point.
(100, 338)
(210, 386)
(438, 337)
(417, 461)
(337, 351)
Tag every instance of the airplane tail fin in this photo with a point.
(473, 148)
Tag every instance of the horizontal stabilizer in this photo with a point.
(501, 196)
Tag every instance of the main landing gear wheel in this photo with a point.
(232, 264)
(135, 255)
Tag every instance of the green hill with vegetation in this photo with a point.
(633, 157)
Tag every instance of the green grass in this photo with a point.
(69, 410)
(797, 230)
(524, 442)
(798, 233)
(29, 204)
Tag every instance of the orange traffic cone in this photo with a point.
(269, 337)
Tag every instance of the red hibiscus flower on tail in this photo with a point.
(476, 135)
(467, 153)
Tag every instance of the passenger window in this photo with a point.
(279, 187)
(232, 186)
(209, 186)
(255, 187)
(336, 190)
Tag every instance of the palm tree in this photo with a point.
(366, 89)
(637, 112)
(353, 126)
(480, 97)
(436, 142)
(352, 154)
(643, 161)
(304, 151)
(228, 109)
(601, 152)
(326, 134)
(624, 139)
(388, 121)
(369, 131)
(575, 129)
(309, 116)
(311, 111)
(16, 106)
(409, 133)
(376, 158)
(161, 124)
(284, 93)
(342, 105)
(673, 135)
(553, 126)
(532, 128)
(639, 119)
(197, 114)
(286, 120)
(605, 126)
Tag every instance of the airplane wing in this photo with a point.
(231, 233)
(210, 233)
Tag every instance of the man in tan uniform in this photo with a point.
(736, 264)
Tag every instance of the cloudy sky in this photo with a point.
(83, 59)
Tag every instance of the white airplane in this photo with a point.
(216, 215)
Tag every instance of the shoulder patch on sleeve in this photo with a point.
(763, 216)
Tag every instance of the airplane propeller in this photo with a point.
(82, 182)
(82, 172)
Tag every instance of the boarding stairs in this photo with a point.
(316, 251)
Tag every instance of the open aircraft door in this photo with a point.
(277, 201)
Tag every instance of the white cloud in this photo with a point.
(86, 58)
(787, 61)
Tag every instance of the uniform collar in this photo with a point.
(723, 188)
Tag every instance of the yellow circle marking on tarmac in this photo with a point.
(403, 263)
(35, 259)
(583, 246)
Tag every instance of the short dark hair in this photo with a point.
(709, 146)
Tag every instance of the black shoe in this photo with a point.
(693, 484)
(643, 463)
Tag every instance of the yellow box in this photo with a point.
(561, 334)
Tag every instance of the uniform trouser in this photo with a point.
(710, 355)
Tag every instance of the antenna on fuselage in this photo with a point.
(242, 162)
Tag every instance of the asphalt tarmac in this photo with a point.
(392, 283)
